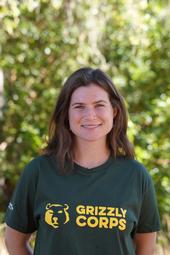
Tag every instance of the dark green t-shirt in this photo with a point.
(91, 211)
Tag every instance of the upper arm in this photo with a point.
(145, 243)
(14, 237)
(20, 211)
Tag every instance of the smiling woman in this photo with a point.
(85, 194)
(88, 98)
(91, 116)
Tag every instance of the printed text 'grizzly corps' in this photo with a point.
(101, 217)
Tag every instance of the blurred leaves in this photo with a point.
(43, 41)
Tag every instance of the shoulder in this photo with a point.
(36, 164)
(38, 161)
(37, 168)
(133, 165)
(41, 164)
(135, 169)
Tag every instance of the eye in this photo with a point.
(79, 107)
(100, 105)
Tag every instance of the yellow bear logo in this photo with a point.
(56, 215)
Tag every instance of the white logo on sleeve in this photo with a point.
(10, 206)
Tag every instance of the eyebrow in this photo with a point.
(96, 102)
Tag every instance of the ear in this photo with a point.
(48, 206)
(66, 206)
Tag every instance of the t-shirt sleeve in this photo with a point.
(20, 211)
(149, 220)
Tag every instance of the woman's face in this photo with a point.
(90, 113)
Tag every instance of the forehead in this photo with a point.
(91, 92)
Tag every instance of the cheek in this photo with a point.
(74, 117)
(107, 115)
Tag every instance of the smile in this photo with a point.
(90, 126)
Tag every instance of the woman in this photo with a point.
(86, 194)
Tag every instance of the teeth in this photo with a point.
(91, 126)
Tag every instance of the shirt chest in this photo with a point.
(86, 202)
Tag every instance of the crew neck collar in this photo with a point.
(88, 171)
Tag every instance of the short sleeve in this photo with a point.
(149, 220)
(20, 211)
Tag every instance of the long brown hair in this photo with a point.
(60, 139)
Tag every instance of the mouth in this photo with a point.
(91, 126)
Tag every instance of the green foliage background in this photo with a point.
(42, 42)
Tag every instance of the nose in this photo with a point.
(90, 113)
(55, 220)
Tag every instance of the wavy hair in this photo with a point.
(60, 138)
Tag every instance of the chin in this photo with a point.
(92, 139)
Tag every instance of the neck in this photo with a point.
(91, 154)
